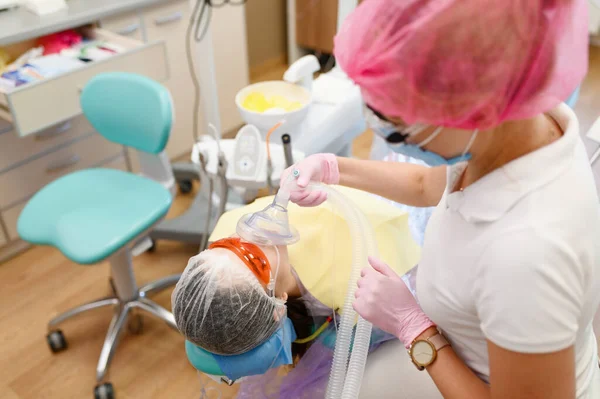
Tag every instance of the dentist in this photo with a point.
(509, 279)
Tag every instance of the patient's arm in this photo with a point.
(401, 182)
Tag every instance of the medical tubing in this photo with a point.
(362, 337)
(345, 378)
(317, 332)
(343, 342)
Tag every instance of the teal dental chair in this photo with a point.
(99, 214)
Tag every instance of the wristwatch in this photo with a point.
(423, 351)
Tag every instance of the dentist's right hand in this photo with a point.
(316, 168)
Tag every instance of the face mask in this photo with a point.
(431, 158)
(396, 140)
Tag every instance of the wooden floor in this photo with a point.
(41, 283)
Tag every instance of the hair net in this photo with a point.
(220, 306)
(465, 63)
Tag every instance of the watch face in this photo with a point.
(423, 353)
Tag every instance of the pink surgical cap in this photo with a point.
(465, 63)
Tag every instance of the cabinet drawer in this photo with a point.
(14, 149)
(129, 25)
(11, 215)
(36, 106)
(24, 181)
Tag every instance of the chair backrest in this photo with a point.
(129, 109)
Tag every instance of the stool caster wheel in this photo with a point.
(104, 391)
(185, 186)
(56, 341)
(135, 325)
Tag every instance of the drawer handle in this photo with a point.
(62, 165)
(128, 30)
(65, 127)
(176, 16)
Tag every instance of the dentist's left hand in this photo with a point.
(383, 298)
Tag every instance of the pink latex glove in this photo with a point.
(320, 168)
(383, 299)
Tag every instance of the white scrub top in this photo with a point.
(515, 258)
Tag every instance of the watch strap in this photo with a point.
(438, 341)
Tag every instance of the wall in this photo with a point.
(266, 33)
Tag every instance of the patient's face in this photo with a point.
(279, 267)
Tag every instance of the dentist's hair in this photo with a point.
(468, 64)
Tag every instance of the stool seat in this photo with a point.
(90, 214)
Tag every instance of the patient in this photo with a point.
(226, 308)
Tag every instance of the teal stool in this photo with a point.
(97, 214)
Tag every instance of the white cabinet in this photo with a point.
(129, 25)
(43, 135)
(14, 149)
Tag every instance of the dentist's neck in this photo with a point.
(507, 142)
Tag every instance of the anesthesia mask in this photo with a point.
(271, 226)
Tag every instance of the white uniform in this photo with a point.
(515, 258)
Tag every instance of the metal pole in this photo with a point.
(204, 62)
(287, 150)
